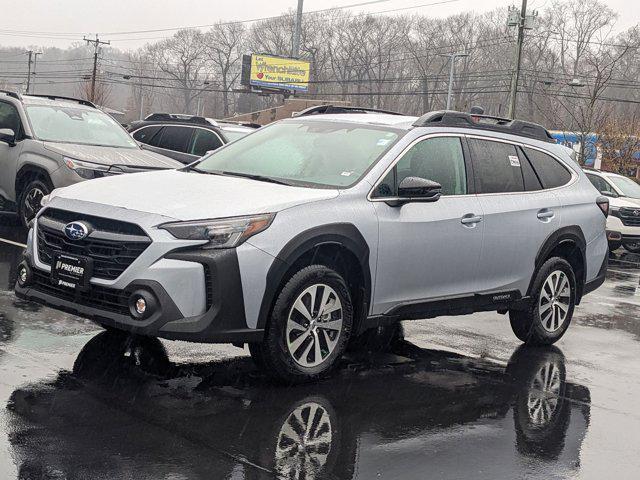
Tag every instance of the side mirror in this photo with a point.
(8, 136)
(417, 189)
(608, 193)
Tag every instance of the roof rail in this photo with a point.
(86, 103)
(11, 93)
(450, 118)
(179, 117)
(331, 109)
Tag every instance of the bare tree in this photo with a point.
(224, 49)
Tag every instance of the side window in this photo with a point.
(601, 184)
(497, 166)
(551, 173)
(175, 138)
(531, 180)
(203, 141)
(9, 118)
(146, 134)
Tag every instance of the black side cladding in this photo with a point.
(344, 234)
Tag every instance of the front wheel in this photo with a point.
(30, 199)
(553, 297)
(309, 326)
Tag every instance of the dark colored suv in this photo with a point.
(186, 137)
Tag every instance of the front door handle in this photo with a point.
(470, 219)
(545, 214)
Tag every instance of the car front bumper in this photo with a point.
(222, 322)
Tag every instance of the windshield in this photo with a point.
(77, 125)
(236, 133)
(318, 153)
(628, 187)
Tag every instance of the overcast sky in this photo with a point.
(61, 22)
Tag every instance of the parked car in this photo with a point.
(623, 224)
(315, 229)
(49, 141)
(186, 138)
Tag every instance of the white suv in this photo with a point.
(310, 231)
(623, 224)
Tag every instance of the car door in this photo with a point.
(9, 118)
(427, 250)
(518, 214)
(173, 141)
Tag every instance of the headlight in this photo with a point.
(221, 232)
(86, 169)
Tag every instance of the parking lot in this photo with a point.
(457, 399)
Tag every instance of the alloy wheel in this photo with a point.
(542, 400)
(304, 442)
(314, 325)
(554, 301)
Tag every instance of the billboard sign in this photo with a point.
(277, 73)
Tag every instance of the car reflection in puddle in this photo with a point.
(395, 415)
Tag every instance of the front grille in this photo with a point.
(108, 299)
(629, 217)
(113, 245)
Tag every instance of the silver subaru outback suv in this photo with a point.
(310, 232)
(48, 141)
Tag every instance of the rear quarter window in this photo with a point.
(145, 134)
(550, 171)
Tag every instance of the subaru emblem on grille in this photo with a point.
(76, 230)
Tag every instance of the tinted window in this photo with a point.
(175, 138)
(438, 159)
(549, 170)
(496, 166)
(9, 117)
(203, 141)
(145, 135)
(600, 183)
(531, 180)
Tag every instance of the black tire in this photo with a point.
(614, 245)
(632, 247)
(257, 355)
(30, 196)
(527, 324)
(274, 353)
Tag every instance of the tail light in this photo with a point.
(603, 204)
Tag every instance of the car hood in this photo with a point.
(627, 202)
(191, 196)
(113, 155)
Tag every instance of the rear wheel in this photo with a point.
(553, 297)
(309, 326)
(30, 198)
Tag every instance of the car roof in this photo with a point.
(602, 173)
(396, 121)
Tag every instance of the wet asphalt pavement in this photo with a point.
(458, 398)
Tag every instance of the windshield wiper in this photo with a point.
(260, 178)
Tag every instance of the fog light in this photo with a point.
(141, 305)
(24, 274)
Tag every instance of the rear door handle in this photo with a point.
(545, 214)
(470, 219)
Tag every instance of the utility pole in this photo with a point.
(295, 51)
(35, 59)
(30, 53)
(452, 58)
(516, 71)
(96, 48)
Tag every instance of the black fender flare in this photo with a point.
(345, 235)
(571, 234)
